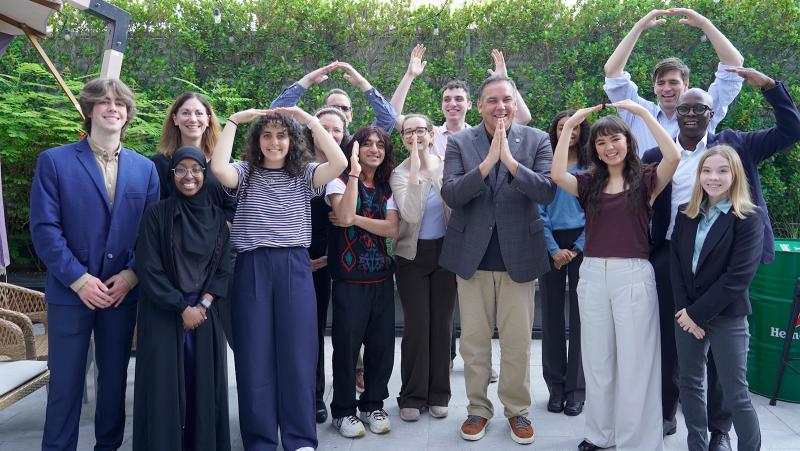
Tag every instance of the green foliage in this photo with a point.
(554, 51)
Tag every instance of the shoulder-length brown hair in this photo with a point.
(171, 134)
(95, 90)
(631, 173)
(739, 192)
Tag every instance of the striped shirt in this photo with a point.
(274, 210)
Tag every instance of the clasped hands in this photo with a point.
(98, 294)
(193, 317)
(563, 257)
(688, 324)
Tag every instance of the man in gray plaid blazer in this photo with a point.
(494, 175)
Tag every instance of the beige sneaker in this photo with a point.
(438, 411)
(409, 414)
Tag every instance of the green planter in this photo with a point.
(771, 295)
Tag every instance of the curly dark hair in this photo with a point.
(298, 157)
(583, 137)
(384, 171)
(631, 173)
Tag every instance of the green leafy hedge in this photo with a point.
(554, 52)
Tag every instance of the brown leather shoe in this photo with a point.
(474, 428)
(360, 380)
(521, 429)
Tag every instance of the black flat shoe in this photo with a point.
(720, 441)
(322, 414)
(587, 446)
(573, 408)
(670, 427)
(556, 404)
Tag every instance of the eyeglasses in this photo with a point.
(698, 109)
(183, 172)
(343, 108)
(419, 131)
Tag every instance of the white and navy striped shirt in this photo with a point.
(274, 210)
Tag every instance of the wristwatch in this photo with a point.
(206, 303)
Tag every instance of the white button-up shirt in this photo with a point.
(684, 178)
(440, 139)
(725, 88)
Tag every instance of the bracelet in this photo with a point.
(351, 175)
(233, 122)
(312, 123)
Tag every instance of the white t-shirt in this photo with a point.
(337, 186)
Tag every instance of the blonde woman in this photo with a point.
(715, 251)
(427, 291)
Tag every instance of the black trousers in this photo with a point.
(562, 367)
(428, 293)
(363, 313)
(719, 418)
(322, 289)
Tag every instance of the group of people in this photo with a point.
(657, 222)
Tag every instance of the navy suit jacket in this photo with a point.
(499, 200)
(74, 228)
(753, 148)
(726, 266)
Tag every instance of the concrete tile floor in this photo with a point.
(21, 424)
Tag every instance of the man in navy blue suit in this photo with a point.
(695, 112)
(86, 202)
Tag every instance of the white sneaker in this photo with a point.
(378, 421)
(349, 426)
(438, 411)
(493, 377)
(305, 448)
(409, 414)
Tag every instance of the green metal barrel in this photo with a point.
(771, 295)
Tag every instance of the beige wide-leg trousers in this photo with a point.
(620, 348)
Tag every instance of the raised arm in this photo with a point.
(726, 52)
(385, 115)
(559, 169)
(523, 116)
(344, 205)
(671, 154)
(221, 166)
(615, 65)
(415, 68)
(336, 161)
(291, 95)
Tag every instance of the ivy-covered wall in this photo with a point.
(554, 52)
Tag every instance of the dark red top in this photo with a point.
(615, 230)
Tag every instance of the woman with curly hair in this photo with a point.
(564, 234)
(620, 337)
(191, 121)
(273, 303)
(364, 215)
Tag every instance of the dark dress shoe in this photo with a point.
(670, 427)
(573, 408)
(556, 404)
(322, 414)
(720, 441)
(587, 446)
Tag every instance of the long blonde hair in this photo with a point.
(171, 135)
(739, 192)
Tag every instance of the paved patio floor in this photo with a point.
(21, 424)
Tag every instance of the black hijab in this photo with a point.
(196, 218)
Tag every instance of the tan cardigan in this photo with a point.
(411, 200)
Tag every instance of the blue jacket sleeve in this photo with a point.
(385, 115)
(46, 226)
(763, 144)
(289, 97)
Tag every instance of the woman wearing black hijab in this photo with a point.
(181, 392)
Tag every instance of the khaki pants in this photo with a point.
(486, 299)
